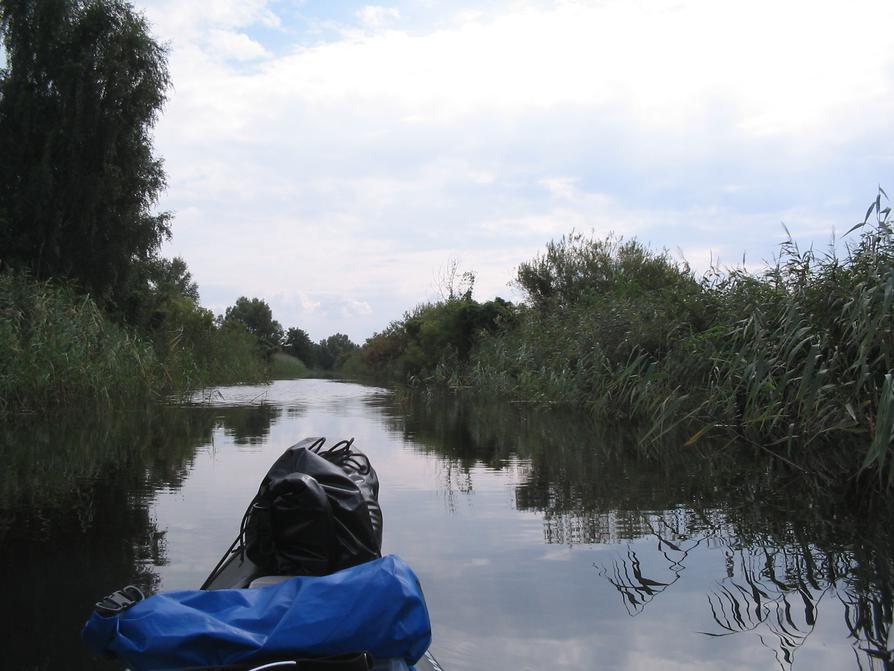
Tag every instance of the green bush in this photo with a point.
(434, 341)
(796, 357)
(601, 315)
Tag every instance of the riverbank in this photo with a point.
(795, 360)
(59, 349)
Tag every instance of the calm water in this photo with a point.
(540, 542)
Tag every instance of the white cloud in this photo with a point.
(353, 308)
(346, 172)
(179, 19)
(774, 67)
(376, 16)
(238, 46)
(560, 187)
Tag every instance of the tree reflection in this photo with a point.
(250, 424)
(75, 496)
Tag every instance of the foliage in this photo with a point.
(333, 351)
(83, 86)
(57, 347)
(257, 318)
(162, 304)
(601, 314)
(287, 367)
(352, 366)
(435, 339)
(80, 93)
(812, 360)
(800, 356)
(298, 343)
(329, 354)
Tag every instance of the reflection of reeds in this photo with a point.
(674, 544)
(868, 619)
(636, 590)
(781, 610)
(771, 590)
(590, 488)
(454, 481)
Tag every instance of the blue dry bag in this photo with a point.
(376, 607)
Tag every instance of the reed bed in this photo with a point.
(287, 367)
(58, 349)
(793, 360)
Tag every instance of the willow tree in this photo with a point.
(81, 89)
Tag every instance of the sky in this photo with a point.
(336, 158)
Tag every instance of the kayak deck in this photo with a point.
(239, 572)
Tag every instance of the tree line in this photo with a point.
(88, 307)
(257, 318)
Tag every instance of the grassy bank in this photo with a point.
(57, 348)
(796, 360)
(287, 367)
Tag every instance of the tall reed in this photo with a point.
(57, 348)
(797, 357)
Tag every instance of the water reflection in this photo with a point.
(75, 500)
(786, 547)
(543, 542)
(250, 425)
(674, 544)
(773, 592)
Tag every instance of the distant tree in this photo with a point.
(82, 87)
(334, 348)
(257, 318)
(151, 287)
(299, 344)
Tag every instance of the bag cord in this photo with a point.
(339, 454)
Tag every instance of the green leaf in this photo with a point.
(884, 424)
(868, 212)
(856, 226)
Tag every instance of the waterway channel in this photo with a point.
(541, 542)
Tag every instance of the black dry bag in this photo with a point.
(316, 511)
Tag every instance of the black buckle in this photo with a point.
(120, 601)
